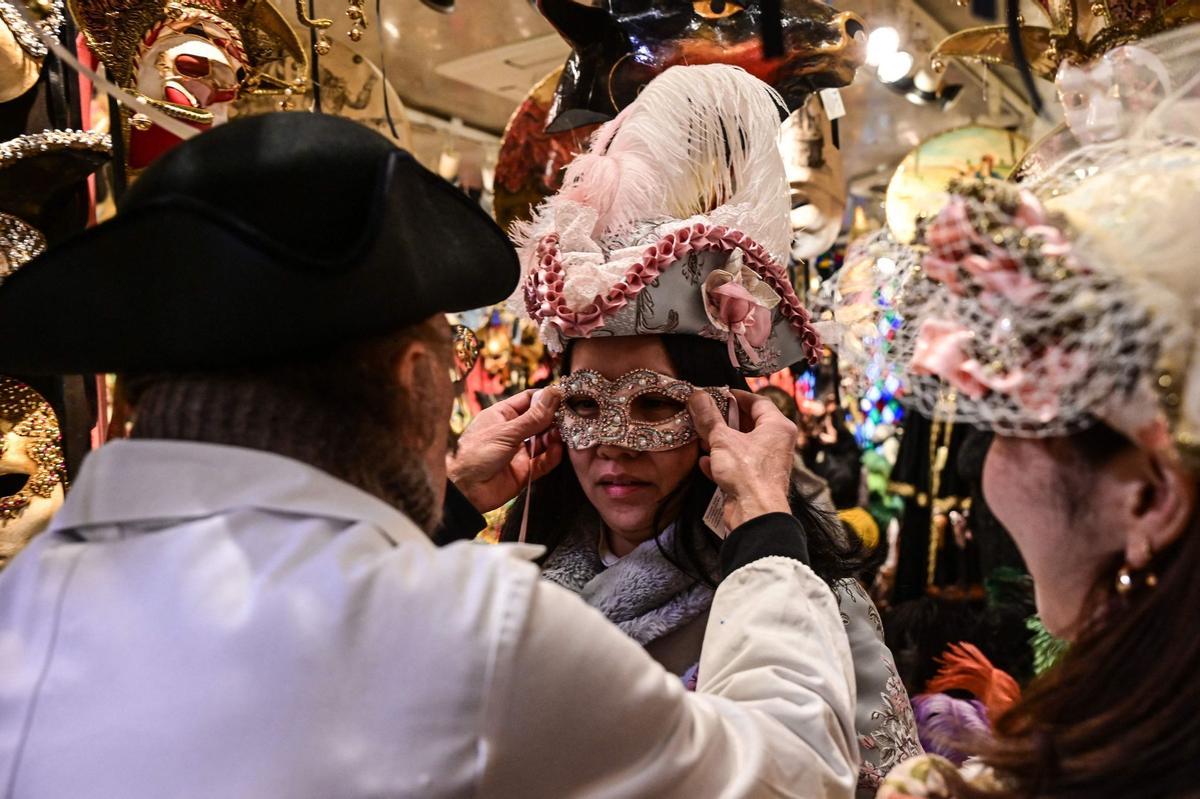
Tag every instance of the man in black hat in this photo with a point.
(243, 600)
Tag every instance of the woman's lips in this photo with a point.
(621, 487)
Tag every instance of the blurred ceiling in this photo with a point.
(476, 64)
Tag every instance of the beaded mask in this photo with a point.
(35, 170)
(32, 471)
(22, 51)
(642, 410)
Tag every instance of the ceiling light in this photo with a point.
(895, 67)
(881, 44)
(925, 81)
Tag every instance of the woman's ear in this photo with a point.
(1162, 499)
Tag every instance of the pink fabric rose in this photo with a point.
(740, 305)
(941, 351)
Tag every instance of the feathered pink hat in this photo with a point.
(675, 222)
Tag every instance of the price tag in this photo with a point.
(832, 100)
(714, 517)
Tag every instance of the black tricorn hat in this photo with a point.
(265, 239)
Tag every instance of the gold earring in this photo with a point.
(1127, 576)
(1151, 578)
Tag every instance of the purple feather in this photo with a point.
(952, 728)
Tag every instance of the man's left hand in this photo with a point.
(492, 463)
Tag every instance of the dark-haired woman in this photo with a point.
(625, 529)
(1092, 386)
(659, 269)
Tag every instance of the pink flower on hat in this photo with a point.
(739, 304)
(955, 246)
(941, 351)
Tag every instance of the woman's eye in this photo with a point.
(583, 406)
(654, 408)
(717, 9)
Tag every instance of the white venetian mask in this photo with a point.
(1101, 99)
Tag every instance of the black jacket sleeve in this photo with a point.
(460, 520)
(775, 534)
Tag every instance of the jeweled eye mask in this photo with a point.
(641, 410)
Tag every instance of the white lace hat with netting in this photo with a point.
(1035, 310)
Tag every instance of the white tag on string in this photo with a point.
(832, 100)
(714, 517)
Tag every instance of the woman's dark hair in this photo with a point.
(561, 504)
(844, 481)
(1120, 714)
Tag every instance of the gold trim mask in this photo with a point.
(642, 410)
(30, 448)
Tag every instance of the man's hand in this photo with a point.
(753, 465)
(492, 464)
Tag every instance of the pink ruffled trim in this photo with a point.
(545, 301)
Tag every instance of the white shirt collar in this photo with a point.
(146, 480)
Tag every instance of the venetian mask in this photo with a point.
(196, 62)
(814, 171)
(496, 347)
(642, 410)
(32, 470)
(191, 68)
(22, 50)
(38, 173)
(1100, 99)
(191, 60)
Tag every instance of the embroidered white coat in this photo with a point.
(213, 621)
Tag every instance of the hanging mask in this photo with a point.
(193, 63)
(1100, 99)
(22, 50)
(496, 346)
(815, 178)
(32, 470)
(39, 172)
(641, 410)
(191, 60)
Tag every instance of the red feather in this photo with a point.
(965, 668)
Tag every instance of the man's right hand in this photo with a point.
(492, 464)
(753, 465)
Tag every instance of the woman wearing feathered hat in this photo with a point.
(661, 266)
(1063, 315)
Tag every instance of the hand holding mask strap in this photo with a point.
(643, 411)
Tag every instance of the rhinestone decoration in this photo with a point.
(19, 244)
(50, 140)
(614, 424)
(30, 417)
(26, 36)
